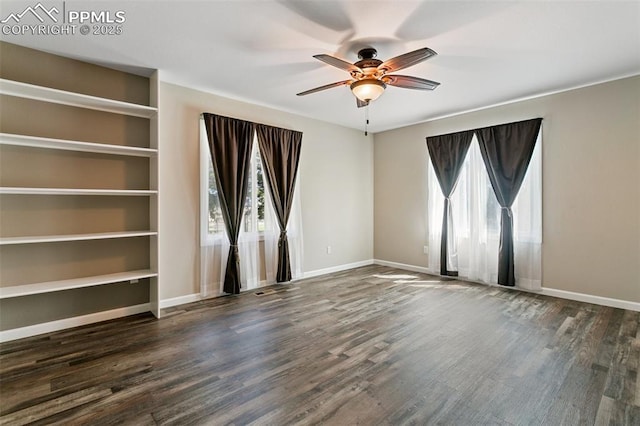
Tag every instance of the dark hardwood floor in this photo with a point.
(371, 346)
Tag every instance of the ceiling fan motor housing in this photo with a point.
(367, 60)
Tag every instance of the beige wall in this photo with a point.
(591, 186)
(44, 69)
(336, 178)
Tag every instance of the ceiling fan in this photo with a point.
(370, 76)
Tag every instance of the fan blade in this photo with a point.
(338, 63)
(325, 87)
(406, 60)
(361, 103)
(408, 82)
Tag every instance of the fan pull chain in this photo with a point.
(366, 119)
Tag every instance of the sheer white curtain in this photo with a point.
(214, 244)
(249, 238)
(476, 220)
(294, 235)
(270, 238)
(249, 248)
(527, 226)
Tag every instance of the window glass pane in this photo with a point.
(216, 224)
(248, 202)
(253, 217)
(259, 192)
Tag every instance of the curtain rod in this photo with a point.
(242, 119)
(485, 127)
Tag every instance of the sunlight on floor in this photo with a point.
(439, 284)
(415, 281)
(396, 277)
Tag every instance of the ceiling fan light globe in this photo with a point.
(368, 89)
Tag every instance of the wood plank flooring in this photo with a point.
(370, 346)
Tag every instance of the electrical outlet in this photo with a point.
(328, 249)
(425, 249)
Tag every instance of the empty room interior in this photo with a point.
(308, 212)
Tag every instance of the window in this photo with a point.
(253, 220)
(259, 231)
(473, 200)
(475, 240)
(215, 223)
(254, 203)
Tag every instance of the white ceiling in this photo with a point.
(261, 51)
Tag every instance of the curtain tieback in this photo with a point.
(233, 245)
(508, 209)
(283, 237)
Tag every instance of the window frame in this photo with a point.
(206, 165)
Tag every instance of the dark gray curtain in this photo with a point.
(447, 153)
(506, 150)
(230, 142)
(280, 151)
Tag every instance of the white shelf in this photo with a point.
(73, 237)
(47, 94)
(67, 145)
(51, 286)
(75, 191)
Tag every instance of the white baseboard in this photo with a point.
(196, 297)
(596, 300)
(48, 327)
(579, 297)
(339, 268)
(403, 266)
(180, 300)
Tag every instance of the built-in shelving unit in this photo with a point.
(131, 263)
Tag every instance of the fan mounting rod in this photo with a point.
(367, 53)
